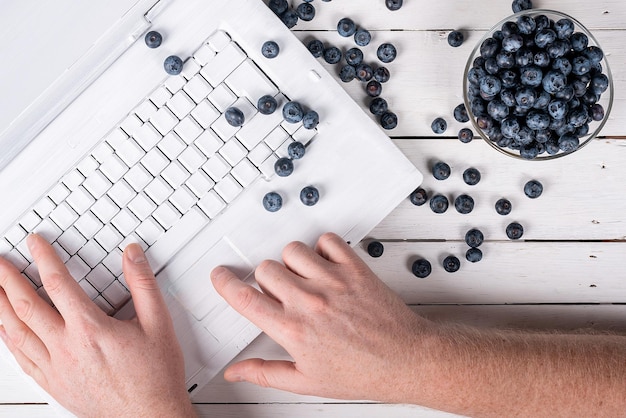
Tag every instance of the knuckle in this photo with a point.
(294, 247)
(316, 302)
(19, 337)
(53, 283)
(24, 310)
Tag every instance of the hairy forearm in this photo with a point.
(507, 373)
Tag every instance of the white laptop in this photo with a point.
(100, 147)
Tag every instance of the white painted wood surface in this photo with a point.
(566, 273)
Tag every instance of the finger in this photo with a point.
(333, 248)
(19, 334)
(35, 312)
(262, 310)
(277, 281)
(149, 303)
(305, 261)
(278, 374)
(66, 294)
(26, 364)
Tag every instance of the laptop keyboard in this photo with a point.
(171, 166)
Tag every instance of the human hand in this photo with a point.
(92, 364)
(350, 336)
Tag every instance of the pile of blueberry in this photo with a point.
(536, 85)
(290, 15)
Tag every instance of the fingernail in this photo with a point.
(135, 253)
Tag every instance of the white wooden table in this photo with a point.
(566, 273)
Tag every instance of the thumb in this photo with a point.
(147, 298)
(278, 374)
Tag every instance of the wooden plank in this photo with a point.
(427, 77)
(582, 198)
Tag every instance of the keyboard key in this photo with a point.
(131, 124)
(89, 224)
(30, 220)
(171, 145)
(304, 135)
(130, 152)
(221, 97)
(73, 179)
(253, 132)
(164, 120)
(77, 267)
(233, 152)
(116, 138)
(218, 68)
(145, 110)
(249, 81)
(166, 215)
(108, 237)
(92, 253)
(133, 238)
(192, 159)
(89, 290)
(14, 257)
(104, 209)
(121, 193)
(267, 167)
(102, 152)
(138, 177)
(160, 96)
(190, 69)
(80, 200)
(58, 193)
(175, 83)
(276, 138)
(15, 234)
(283, 150)
(150, 231)
(97, 184)
(188, 130)
(33, 274)
(63, 255)
(219, 40)
(228, 188)
(114, 168)
(116, 294)
(147, 136)
(44, 207)
(87, 166)
(224, 129)
(211, 204)
(158, 190)
(216, 167)
(125, 222)
(208, 143)
(183, 199)
(200, 183)
(113, 262)
(154, 161)
(142, 206)
(180, 104)
(175, 174)
(204, 54)
(198, 88)
(64, 216)
(72, 240)
(100, 277)
(259, 154)
(104, 305)
(205, 114)
(245, 172)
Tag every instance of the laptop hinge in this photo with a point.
(156, 9)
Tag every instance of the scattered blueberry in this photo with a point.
(234, 116)
(465, 135)
(173, 65)
(364, 72)
(439, 125)
(153, 39)
(533, 189)
(310, 119)
(332, 55)
(519, 5)
(278, 6)
(393, 5)
(441, 170)
(374, 88)
(473, 255)
(270, 49)
(272, 202)
(375, 249)
(474, 237)
(378, 106)
(289, 18)
(283, 167)
(354, 56)
(309, 195)
(296, 150)
(460, 113)
(455, 38)
(464, 204)
(388, 120)
(503, 207)
(514, 230)
(451, 264)
(421, 268)
(362, 37)
(471, 176)
(305, 11)
(292, 112)
(419, 196)
(267, 105)
(346, 27)
(381, 74)
(386, 53)
(316, 48)
(439, 203)
(347, 73)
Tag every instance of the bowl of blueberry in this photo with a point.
(537, 86)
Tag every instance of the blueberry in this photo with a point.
(393, 4)
(512, 42)
(316, 48)
(455, 38)
(332, 55)
(580, 65)
(173, 65)
(514, 230)
(305, 11)
(579, 41)
(309, 196)
(296, 150)
(234, 116)
(599, 83)
(564, 65)
(419, 196)
(473, 255)
(347, 73)
(289, 18)
(439, 203)
(471, 176)
(544, 37)
(460, 113)
(381, 74)
(524, 57)
(441, 170)
(272, 202)
(373, 88)
(362, 37)
(526, 24)
(568, 142)
(505, 59)
(557, 48)
(451, 264)
(378, 106)
(267, 105)
(510, 127)
(310, 119)
(292, 112)
(421, 268)
(490, 85)
(503, 207)
(597, 114)
(557, 109)
(364, 72)
(386, 53)
(270, 49)
(465, 135)
(354, 56)
(541, 59)
(283, 167)
(525, 97)
(278, 6)
(533, 189)
(564, 28)
(388, 120)
(464, 204)
(537, 120)
(375, 249)
(489, 48)
(474, 237)
(153, 39)
(531, 76)
(439, 125)
(519, 5)
(346, 27)
(497, 109)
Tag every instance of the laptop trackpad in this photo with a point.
(194, 290)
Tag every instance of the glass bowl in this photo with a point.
(515, 144)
